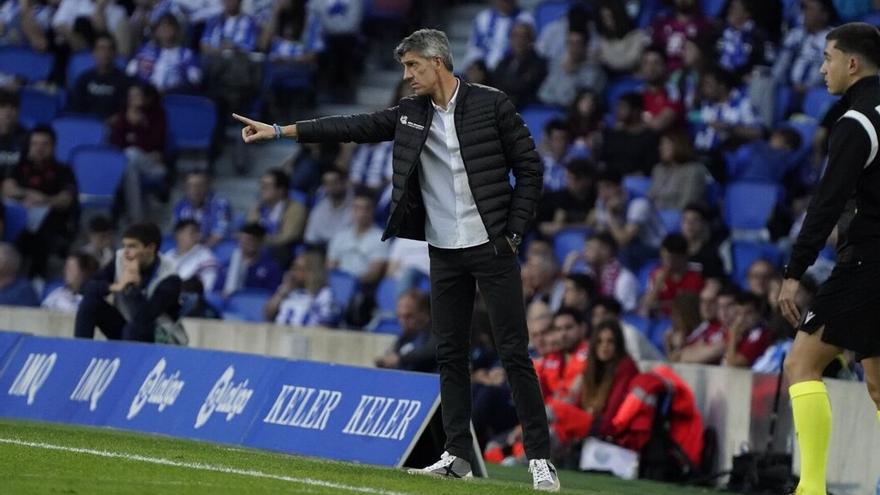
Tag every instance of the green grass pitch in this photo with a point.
(38, 458)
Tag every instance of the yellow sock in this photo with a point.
(812, 422)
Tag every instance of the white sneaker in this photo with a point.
(544, 475)
(449, 466)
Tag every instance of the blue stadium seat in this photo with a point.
(659, 326)
(223, 250)
(37, 107)
(640, 322)
(386, 296)
(286, 76)
(25, 63)
(73, 131)
(343, 285)
(568, 240)
(386, 10)
(98, 171)
(781, 103)
(191, 121)
(549, 11)
(83, 61)
(537, 116)
(216, 300)
(817, 101)
(744, 253)
(748, 205)
(388, 326)
(637, 185)
(168, 243)
(247, 304)
(757, 161)
(15, 221)
(713, 8)
(650, 10)
(300, 197)
(618, 87)
(671, 220)
(872, 18)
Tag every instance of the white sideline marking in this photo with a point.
(199, 466)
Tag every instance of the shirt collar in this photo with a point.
(450, 107)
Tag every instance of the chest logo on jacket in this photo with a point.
(405, 121)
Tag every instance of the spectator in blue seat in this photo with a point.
(742, 42)
(200, 203)
(143, 290)
(678, 179)
(283, 218)
(521, 71)
(164, 62)
(292, 34)
(726, 118)
(683, 85)
(251, 265)
(702, 249)
(747, 335)
(801, 55)
(191, 258)
(584, 118)
(48, 190)
(629, 146)
(12, 135)
(634, 223)
(15, 290)
(554, 153)
(358, 249)
(75, 20)
(416, 348)
(572, 72)
(611, 277)
(78, 269)
(331, 213)
(662, 110)
(340, 25)
(101, 91)
(551, 41)
(304, 297)
(231, 77)
(489, 36)
(571, 206)
(26, 23)
(620, 42)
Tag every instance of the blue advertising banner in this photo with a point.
(69, 380)
(298, 407)
(8, 340)
(196, 394)
(345, 413)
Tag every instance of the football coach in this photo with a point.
(455, 145)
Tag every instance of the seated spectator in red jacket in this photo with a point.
(671, 278)
(606, 382)
(747, 335)
(705, 343)
(560, 373)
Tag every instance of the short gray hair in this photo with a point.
(427, 43)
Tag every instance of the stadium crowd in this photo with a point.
(681, 141)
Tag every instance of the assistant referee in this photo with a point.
(846, 311)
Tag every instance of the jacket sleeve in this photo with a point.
(519, 150)
(848, 151)
(360, 128)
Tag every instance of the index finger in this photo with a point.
(243, 120)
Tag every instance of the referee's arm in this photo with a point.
(848, 151)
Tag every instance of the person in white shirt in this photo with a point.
(304, 298)
(331, 213)
(190, 258)
(359, 250)
(408, 263)
(77, 269)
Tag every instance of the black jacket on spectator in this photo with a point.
(520, 78)
(417, 352)
(486, 123)
(629, 153)
(100, 94)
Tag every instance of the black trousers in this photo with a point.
(94, 311)
(454, 276)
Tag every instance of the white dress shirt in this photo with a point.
(452, 220)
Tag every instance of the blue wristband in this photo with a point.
(277, 131)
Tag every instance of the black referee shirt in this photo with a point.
(849, 192)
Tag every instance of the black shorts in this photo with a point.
(848, 305)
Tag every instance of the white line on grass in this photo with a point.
(199, 466)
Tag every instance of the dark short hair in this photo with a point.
(146, 233)
(604, 238)
(675, 244)
(279, 177)
(9, 98)
(422, 300)
(583, 282)
(721, 75)
(254, 229)
(729, 290)
(612, 176)
(791, 137)
(566, 311)
(699, 209)
(633, 99)
(859, 38)
(609, 303)
(556, 125)
(364, 193)
(186, 222)
(104, 35)
(581, 167)
(100, 224)
(87, 263)
(43, 129)
(746, 298)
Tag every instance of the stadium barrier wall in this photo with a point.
(298, 407)
(317, 344)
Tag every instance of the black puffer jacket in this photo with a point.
(493, 138)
